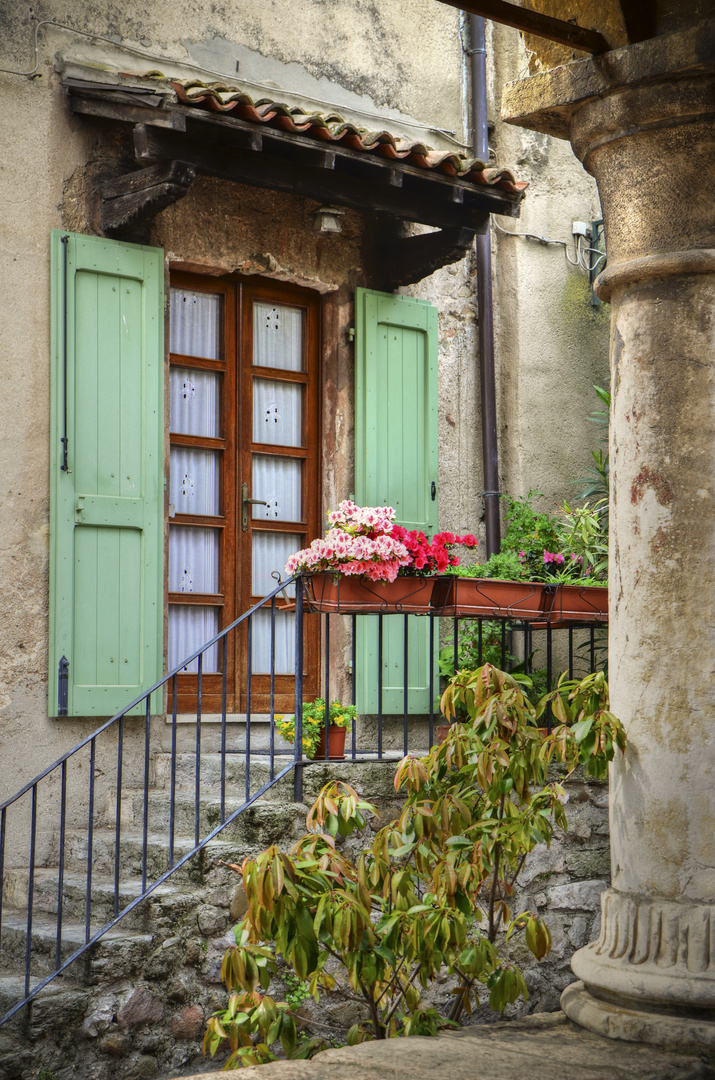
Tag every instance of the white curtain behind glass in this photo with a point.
(271, 552)
(278, 337)
(194, 399)
(277, 413)
(189, 628)
(284, 646)
(277, 481)
(193, 559)
(194, 481)
(195, 323)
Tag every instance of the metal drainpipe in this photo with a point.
(490, 455)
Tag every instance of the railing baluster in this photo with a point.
(353, 734)
(379, 686)
(249, 679)
(298, 702)
(145, 806)
(172, 781)
(197, 763)
(592, 650)
(549, 674)
(503, 644)
(480, 643)
(326, 691)
(455, 644)
(30, 889)
(405, 682)
(272, 731)
(118, 811)
(224, 658)
(61, 868)
(570, 632)
(90, 841)
(431, 680)
(3, 823)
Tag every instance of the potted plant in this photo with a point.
(340, 720)
(368, 563)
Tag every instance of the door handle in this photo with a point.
(245, 503)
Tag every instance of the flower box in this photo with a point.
(488, 598)
(576, 603)
(353, 594)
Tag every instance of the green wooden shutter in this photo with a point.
(106, 514)
(396, 465)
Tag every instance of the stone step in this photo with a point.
(371, 777)
(264, 822)
(121, 951)
(195, 871)
(58, 1005)
(165, 908)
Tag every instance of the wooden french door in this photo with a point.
(244, 482)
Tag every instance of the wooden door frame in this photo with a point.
(236, 418)
(289, 295)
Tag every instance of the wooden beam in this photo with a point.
(130, 199)
(533, 22)
(403, 260)
(261, 170)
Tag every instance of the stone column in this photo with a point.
(642, 121)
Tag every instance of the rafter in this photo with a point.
(534, 22)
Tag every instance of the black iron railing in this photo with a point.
(77, 802)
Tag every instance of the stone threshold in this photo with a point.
(540, 1047)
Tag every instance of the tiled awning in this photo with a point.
(332, 128)
(218, 130)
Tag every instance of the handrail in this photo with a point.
(147, 892)
(147, 693)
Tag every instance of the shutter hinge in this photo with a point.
(351, 333)
(62, 686)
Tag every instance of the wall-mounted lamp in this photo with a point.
(326, 219)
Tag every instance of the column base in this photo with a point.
(617, 1021)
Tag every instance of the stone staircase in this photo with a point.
(135, 1004)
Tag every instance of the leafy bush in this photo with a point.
(433, 891)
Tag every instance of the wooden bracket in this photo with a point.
(405, 260)
(130, 199)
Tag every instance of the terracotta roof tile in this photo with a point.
(331, 127)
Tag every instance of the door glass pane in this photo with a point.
(194, 402)
(195, 321)
(194, 480)
(190, 627)
(277, 413)
(284, 642)
(278, 336)
(271, 551)
(193, 560)
(279, 482)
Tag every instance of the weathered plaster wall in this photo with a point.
(551, 344)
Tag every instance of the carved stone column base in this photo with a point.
(618, 1021)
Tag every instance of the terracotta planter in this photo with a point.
(336, 744)
(576, 603)
(488, 598)
(441, 733)
(326, 592)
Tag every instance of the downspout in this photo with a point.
(490, 455)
